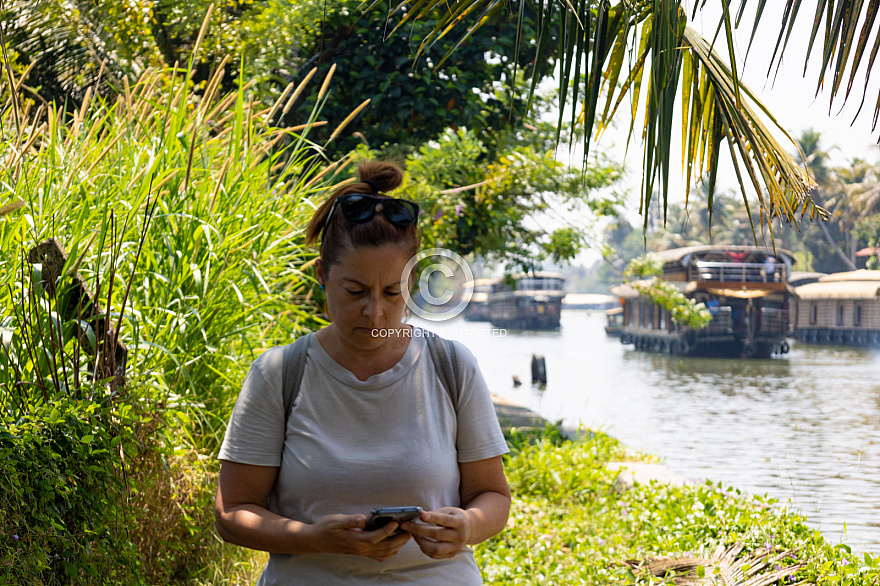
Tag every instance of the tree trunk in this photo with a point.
(837, 250)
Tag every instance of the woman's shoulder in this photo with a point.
(464, 361)
(271, 361)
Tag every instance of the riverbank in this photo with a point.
(588, 511)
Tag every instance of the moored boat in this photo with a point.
(614, 321)
(527, 301)
(840, 308)
(745, 288)
(478, 307)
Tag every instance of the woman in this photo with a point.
(372, 425)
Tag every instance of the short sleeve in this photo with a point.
(479, 435)
(255, 434)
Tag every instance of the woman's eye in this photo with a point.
(392, 293)
(354, 291)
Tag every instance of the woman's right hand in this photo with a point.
(344, 534)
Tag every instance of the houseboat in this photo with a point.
(527, 301)
(614, 322)
(841, 308)
(745, 289)
(478, 307)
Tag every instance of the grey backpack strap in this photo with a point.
(443, 354)
(294, 366)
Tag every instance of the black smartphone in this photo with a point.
(382, 516)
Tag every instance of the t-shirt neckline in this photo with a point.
(377, 381)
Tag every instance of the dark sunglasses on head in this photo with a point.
(360, 207)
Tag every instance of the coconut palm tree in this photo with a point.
(827, 192)
(644, 49)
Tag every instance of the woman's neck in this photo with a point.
(365, 362)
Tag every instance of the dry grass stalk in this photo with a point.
(348, 119)
(722, 568)
(11, 207)
(341, 163)
(279, 101)
(219, 184)
(202, 32)
(326, 83)
(224, 105)
(299, 89)
(213, 86)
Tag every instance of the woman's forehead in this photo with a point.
(371, 263)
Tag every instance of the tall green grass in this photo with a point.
(221, 272)
(184, 213)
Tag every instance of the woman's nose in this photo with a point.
(373, 307)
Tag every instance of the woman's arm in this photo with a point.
(485, 497)
(485, 505)
(242, 518)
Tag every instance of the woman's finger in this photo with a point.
(437, 550)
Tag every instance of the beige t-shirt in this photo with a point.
(350, 446)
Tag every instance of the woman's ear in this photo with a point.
(319, 272)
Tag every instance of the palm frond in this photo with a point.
(68, 46)
(841, 50)
(728, 565)
(613, 45)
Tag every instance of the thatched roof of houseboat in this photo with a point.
(862, 284)
(798, 278)
(680, 254)
(860, 275)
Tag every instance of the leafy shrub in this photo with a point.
(63, 513)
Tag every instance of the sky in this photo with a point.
(791, 97)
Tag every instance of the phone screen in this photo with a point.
(382, 516)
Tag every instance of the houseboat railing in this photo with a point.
(773, 320)
(722, 321)
(737, 272)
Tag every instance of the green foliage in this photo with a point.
(63, 513)
(416, 100)
(481, 206)
(649, 265)
(570, 524)
(868, 231)
(185, 218)
(684, 311)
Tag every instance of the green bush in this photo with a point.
(184, 214)
(63, 514)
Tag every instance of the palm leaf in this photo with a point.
(598, 38)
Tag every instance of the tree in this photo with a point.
(413, 100)
(491, 208)
(718, 110)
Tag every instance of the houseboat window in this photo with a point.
(627, 312)
(651, 315)
(840, 314)
(642, 313)
(857, 315)
(814, 313)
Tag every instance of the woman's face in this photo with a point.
(364, 293)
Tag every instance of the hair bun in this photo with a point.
(381, 175)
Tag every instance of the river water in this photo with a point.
(803, 428)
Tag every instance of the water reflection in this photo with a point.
(804, 427)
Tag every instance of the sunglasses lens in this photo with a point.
(358, 208)
(399, 212)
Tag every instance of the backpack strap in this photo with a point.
(442, 352)
(294, 366)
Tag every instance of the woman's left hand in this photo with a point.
(443, 533)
